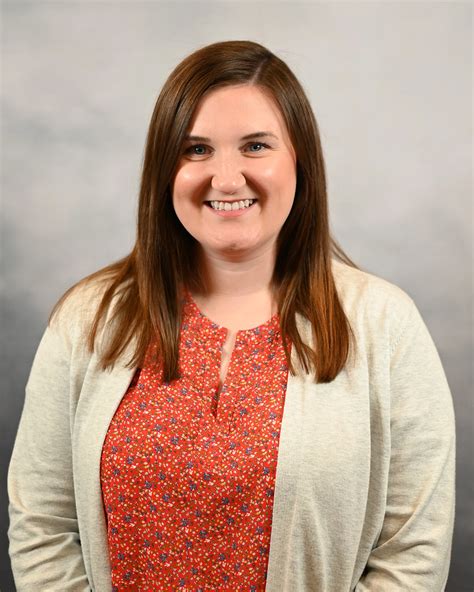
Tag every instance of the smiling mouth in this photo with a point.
(228, 206)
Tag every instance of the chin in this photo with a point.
(231, 248)
(235, 248)
(235, 245)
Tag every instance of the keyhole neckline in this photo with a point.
(269, 327)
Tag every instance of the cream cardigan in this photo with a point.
(364, 493)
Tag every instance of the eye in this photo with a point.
(196, 150)
(261, 144)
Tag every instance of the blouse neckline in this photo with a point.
(266, 329)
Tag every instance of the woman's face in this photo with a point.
(228, 160)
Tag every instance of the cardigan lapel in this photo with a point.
(289, 466)
(100, 396)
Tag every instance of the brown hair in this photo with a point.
(162, 261)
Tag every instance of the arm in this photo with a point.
(414, 546)
(44, 546)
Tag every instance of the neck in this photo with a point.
(237, 293)
(237, 277)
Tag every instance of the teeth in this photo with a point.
(227, 206)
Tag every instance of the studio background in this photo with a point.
(391, 87)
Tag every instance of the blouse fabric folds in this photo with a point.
(364, 487)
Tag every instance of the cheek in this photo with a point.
(281, 172)
(184, 183)
(283, 180)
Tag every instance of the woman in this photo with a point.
(230, 407)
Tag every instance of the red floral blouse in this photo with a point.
(187, 476)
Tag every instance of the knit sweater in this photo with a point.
(364, 489)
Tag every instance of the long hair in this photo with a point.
(149, 280)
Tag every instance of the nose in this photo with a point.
(227, 176)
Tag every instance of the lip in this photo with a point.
(230, 213)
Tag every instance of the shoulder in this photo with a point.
(371, 302)
(357, 286)
(74, 312)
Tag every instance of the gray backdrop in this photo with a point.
(391, 86)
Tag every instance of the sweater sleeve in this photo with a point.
(414, 547)
(44, 542)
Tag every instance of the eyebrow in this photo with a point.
(247, 137)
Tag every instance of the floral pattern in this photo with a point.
(188, 476)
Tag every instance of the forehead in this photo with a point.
(242, 107)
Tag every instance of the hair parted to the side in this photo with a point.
(149, 280)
